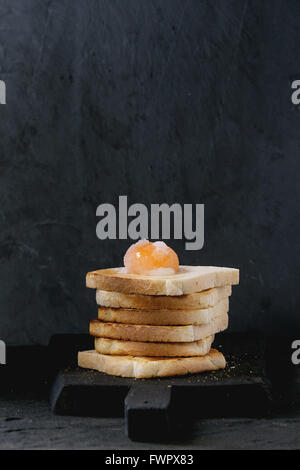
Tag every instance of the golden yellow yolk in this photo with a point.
(145, 257)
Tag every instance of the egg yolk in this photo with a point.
(149, 258)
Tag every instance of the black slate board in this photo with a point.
(155, 407)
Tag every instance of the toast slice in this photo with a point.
(204, 299)
(147, 367)
(189, 279)
(163, 317)
(138, 348)
(164, 334)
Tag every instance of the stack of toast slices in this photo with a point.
(158, 326)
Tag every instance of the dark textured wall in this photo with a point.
(164, 101)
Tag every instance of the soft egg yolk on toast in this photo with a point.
(153, 259)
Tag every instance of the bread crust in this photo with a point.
(147, 367)
(168, 334)
(204, 299)
(142, 349)
(163, 317)
(189, 279)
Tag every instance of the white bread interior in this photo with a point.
(189, 279)
(204, 299)
(147, 367)
(138, 348)
(163, 317)
(163, 334)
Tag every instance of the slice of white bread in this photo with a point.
(189, 279)
(206, 298)
(138, 348)
(147, 367)
(163, 317)
(165, 334)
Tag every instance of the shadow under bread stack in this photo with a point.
(158, 325)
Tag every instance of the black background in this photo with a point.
(163, 101)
